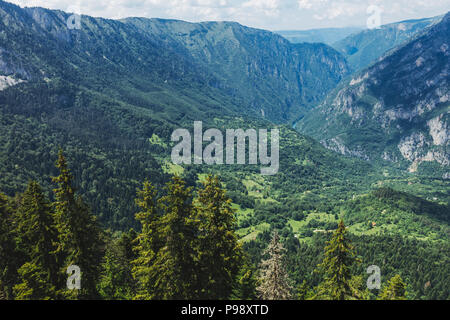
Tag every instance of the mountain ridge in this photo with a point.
(366, 47)
(396, 110)
(282, 82)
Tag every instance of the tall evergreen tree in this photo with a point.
(176, 261)
(126, 244)
(36, 237)
(10, 259)
(80, 241)
(147, 245)
(395, 289)
(245, 284)
(220, 253)
(339, 257)
(116, 280)
(275, 282)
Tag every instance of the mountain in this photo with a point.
(111, 94)
(396, 110)
(327, 35)
(267, 73)
(260, 71)
(366, 47)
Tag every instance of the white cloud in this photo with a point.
(268, 14)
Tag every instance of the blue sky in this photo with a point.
(265, 14)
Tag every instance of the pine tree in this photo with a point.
(339, 257)
(33, 285)
(116, 281)
(147, 245)
(275, 282)
(176, 260)
(126, 244)
(246, 284)
(36, 237)
(359, 288)
(304, 291)
(79, 235)
(10, 258)
(395, 290)
(220, 253)
(165, 267)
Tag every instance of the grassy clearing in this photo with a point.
(250, 233)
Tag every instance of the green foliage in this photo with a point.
(112, 94)
(147, 245)
(10, 258)
(105, 91)
(388, 211)
(116, 280)
(304, 292)
(427, 273)
(246, 284)
(336, 267)
(175, 261)
(186, 249)
(394, 290)
(220, 253)
(79, 240)
(36, 238)
(41, 242)
(34, 285)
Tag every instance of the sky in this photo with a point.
(264, 14)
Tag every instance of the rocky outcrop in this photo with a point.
(337, 145)
(7, 81)
(439, 130)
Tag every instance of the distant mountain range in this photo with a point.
(363, 48)
(327, 35)
(396, 110)
(261, 72)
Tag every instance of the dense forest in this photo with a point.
(117, 219)
(187, 248)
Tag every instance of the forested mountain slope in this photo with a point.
(364, 48)
(395, 111)
(112, 93)
(269, 74)
(260, 71)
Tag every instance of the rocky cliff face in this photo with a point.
(396, 110)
